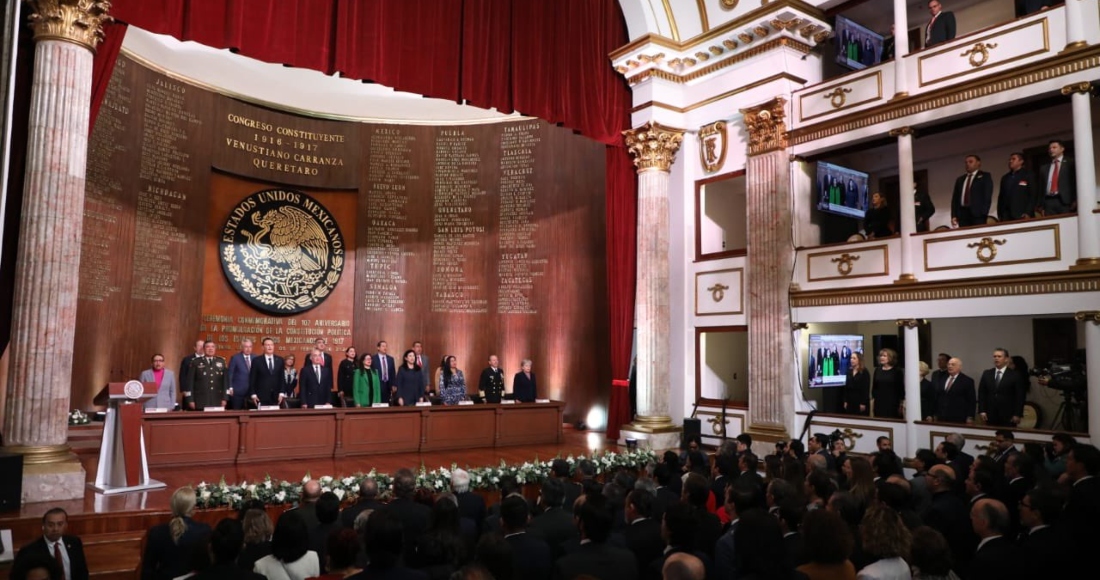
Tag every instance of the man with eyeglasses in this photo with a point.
(166, 384)
(1043, 549)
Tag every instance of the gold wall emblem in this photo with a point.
(718, 291)
(987, 249)
(714, 141)
(844, 263)
(282, 251)
(979, 53)
(837, 98)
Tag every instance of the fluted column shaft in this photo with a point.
(1075, 24)
(1088, 236)
(905, 200)
(48, 260)
(901, 48)
(1091, 321)
(912, 386)
(652, 317)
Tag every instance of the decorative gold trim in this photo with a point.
(1075, 45)
(1087, 316)
(703, 56)
(1053, 283)
(719, 97)
(986, 252)
(740, 292)
(1031, 73)
(909, 322)
(845, 257)
(702, 6)
(718, 425)
(1086, 264)
(836, 98)
(848, 427)
(923, 57)
(671, 20)
(987, 249)
(906, 279)
(1081, 87)
(42, 454)
(979, 53)
(902, 131)
(767, 126)
(729, 43)
(745, 37)
(732, 413)
(721, 64)
(847, 83)
(760, 30)
(725, 4)
(799, 326)
(708, 135)
(653, 146)
(77, 21)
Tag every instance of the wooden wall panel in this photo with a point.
(462, 428)
(288, 436)
(191, 440)
(369, 433)
(527, 424)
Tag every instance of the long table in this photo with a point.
(237, 437)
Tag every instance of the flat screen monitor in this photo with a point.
(842, 191)
(857, 46)
(830, 358)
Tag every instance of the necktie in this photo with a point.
(998, 379)
(248, 362)
(57, 556)
(207, 360)
(270, 365)
(1054, 178)
(317, 371)
(966, 190)
(950, 380)
(418, 363)
(928, 34)
(382, 361)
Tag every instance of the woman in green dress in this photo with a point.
(365, 383)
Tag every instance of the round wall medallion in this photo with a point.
(282, 251)
(133, 389)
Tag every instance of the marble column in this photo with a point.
(48, 260)
(1091, 320)
(1088, 236)
(1075, 26)
(912, 385)
(901, 48)
(770, 263)
(654, 148)
(908, 211)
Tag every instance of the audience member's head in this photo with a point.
(679, 526)
(1040, 506)
(252, 504)
(404, 484)
(1083, 460)
(587, 468)
(460, 481)
(924, 460)
(183, 504)
(639, 504)
(342, 549)
(894, 493)
(291, 538)
(226, 541)
(956, 439)
(817, 463)
(758, 546)
(594, 519)
(930, 554)
(552, 493)
(884, 535)
(514, 514)
(257, 527)
(36, 567)
(742, 497)
(696, 490)
(941, 478)
(790, 514)
(683, 566)
(885, 463)
(494, 554)
(383, 539)
(697, 463)
(989, 518)
(509, 486)
(560, 468)
(819, 485)
(445, 514)
(328, 508)
(368, 489)
(828, 540)
(311, 491)
(847, 506)
(54, 523)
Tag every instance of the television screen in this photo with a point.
(857, 46)
(842, 191)
(830, 358)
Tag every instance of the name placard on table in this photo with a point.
(465, 402)
(508, 402)
(156, 410)
(322, 406)
(268, 408)
(213, 409)
(423, 404)
(379, 405)
(542, 400)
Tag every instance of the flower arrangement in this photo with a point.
(77, 417)
(272, 492)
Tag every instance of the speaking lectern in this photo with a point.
(123, 466)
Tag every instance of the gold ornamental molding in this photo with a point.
(902, 131)
(729, 4)
(77, 21)
(718, 291)
(729, 61)
(909, 322)
(979, 53)
(987, 248)
(837, 98)
(714, 142)
(844, 263)
(653, 146)
(710, 100)
(1081, 87)
(1053, 283)
(1087, 316)
(767, 126)
(718, 425)
(1029, 74)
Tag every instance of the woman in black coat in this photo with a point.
(857, 386)
(523, 384)
(169, 546)
(888, 386)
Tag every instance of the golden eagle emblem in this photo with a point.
(282, 251)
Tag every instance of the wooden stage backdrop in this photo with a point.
(474, 239)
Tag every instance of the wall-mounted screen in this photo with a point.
(857, 46)
(842, 191)
(830, 358)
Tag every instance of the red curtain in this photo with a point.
(103, 64)
(621, 236)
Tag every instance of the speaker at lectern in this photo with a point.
(123, 466)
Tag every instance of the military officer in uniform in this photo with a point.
(491, 385)
(209, 381)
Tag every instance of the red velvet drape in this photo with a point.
(621, 236)
(103, 64)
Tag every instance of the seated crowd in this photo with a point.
(818, 513)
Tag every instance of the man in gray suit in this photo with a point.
(166, 384)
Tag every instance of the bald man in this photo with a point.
(995, 557)
(683, 566)
(307, 508)
(947, 514)
(955, 396)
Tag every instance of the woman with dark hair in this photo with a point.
(759, 549)
(257, 529)
(827, 545)
(442, 549)
(366, 388)
(886, 540)
(452, 383)
(861, 479)
(857, 386)
(927, 393)
(1019, 364)
(878, 221)
(410, 389)
(1055, 464)
(888, 390)
(290, 559)
(345, 379)
(169, 545)
(931, 556)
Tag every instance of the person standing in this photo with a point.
(941, 28)
(365, 385)
(68, 550)
(1001, 393)
(1060, 181)
(345, 380)
(315, 381)
(1019, 193)
(924, 209)
(425, 369)
(166, 384)
(491, 385)
(955, 397)
(972, 195)
(209, 380)
(387, 371)
(452, 383)
(888, 386)
(523, 384)
(185, 365)
(265, 380)
(288, 385)
(857, 385)
(240, 368)
(407, 387)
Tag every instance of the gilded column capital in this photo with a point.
(1087, 316)
(909, 322)
(767, 126)
(1081, 87)
(77, 21)
(902, 131)
(653, 146)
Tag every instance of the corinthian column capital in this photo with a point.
(77, 21)
(767, 126)
(1088, 316)
(653, 146)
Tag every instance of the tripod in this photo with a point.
(1069, 413)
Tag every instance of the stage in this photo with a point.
(112, 527)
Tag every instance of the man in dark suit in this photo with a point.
(955, 396)
(387, 371)
(740, 498)
(491, 384)
(1044, 551)
(266, 377)
(973, 194)
(185, 365)
(941, 28)
(240, 369)
(790, 519)
(1019, 191)
(554, 525)
(941, 366)
(923, 209)
(322, 346)
(1059, 181)
(530, 554)
(1025, 7)
(1082, 511)
(947, 514)
(368, 500)
(56, 545)
(995, 557)
(414, 516)
(315, 381)
(209, 380)
(596, 557)
(642, 532)
(665, 497)
(425, 364)
(1001, 392)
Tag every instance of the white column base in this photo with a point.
(53, 482)
(658, 442)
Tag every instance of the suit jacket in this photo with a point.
(1019, 194)
(263, 383)
(950, 516)
(1082, 511)
(796, 550)
(1025, 7)
(530, 556)
(239, 372)
(209, 382)
(164, 559)
(643, 538)
(599, 560)
(1044, 553)
(941, 30)
(554, 526)
(472, 505)
(78, 564)
(414, 518)
(956, 405)
(924, 209)
(315, 390)
(185, 367)
(1001, 403)
(492, 384)
(166, 393)
(523, 388)
(391, 370)
(981, 192)
(1067, 181)
(348, 514)
(995, 560)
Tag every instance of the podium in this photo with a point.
(123, 466)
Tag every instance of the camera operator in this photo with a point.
(1056, 452)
